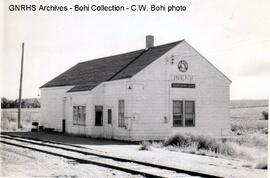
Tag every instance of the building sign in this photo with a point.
(182, 66)
(183, 78)
(183, 85)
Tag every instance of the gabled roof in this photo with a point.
(87, 75)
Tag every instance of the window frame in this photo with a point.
(181, 114)
(193, 113)
(109, 116)
(121, 113)
(184, 114)
(79, 115)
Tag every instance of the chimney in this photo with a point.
(149, 41)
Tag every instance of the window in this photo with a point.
(183, 113)
(189, 113)
(121, 113)
(177, 113)
(109, 116)
(79, 115)
(98, 115)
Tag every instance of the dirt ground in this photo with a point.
(19, 162)
(57, 166)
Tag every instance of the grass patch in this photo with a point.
(251, 148)
(265, 115)
(262, 165)
(145, 145)
(248, 141)
(198, 144)
(245, 126)
(256, 139)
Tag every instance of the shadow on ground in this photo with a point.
(68, 139)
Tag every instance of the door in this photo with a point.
(109, 124)
(98, 115)
(63, 125)
(64, 115)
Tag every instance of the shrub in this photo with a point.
(145, 145)
(265, 115)
(248, 147)
(262, 164)
(200, 143)
(265, 131)
(205, 145)
(248, 126)
(251, 140)
(157, 144)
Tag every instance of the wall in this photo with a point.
(113, 92)
(78, 99)
(54, 109)
(106, 95)
(51, 100)
(148, 101)
(211, 96)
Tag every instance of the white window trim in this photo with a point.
(79, 124)
(122, 125)
(184, 112)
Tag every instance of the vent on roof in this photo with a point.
(149, 41)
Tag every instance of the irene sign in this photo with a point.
(183, 78)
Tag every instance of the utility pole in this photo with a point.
(20, 90)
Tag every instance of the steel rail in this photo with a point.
(84, 161)
(177, 170)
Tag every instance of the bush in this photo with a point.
(265, 115)
(247, 147)
(262, 164)
(145, 145)
(265, 131)
(248, 126)
(199, 143)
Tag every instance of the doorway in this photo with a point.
(64, 115)
(109, 124)
(98, 115)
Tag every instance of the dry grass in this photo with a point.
(205, 145)
(255, 139)
(250, 130)
(9, 118)
(249, 139)
(242, 126)
(262, 164)
(248, 103)
(145, 145)
(252, 148)
(198, 142)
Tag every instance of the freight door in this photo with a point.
(108, 124)
(64, 115)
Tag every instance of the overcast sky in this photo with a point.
(234, 35)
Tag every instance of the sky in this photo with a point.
(234, 35)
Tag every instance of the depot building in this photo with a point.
(147, 94)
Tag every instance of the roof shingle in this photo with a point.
(87, 75)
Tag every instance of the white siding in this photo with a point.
(211, 96)
(52, 106)
(148, 101)
(113, 92)
(78, 99)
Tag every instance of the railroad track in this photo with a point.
(88, 156)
